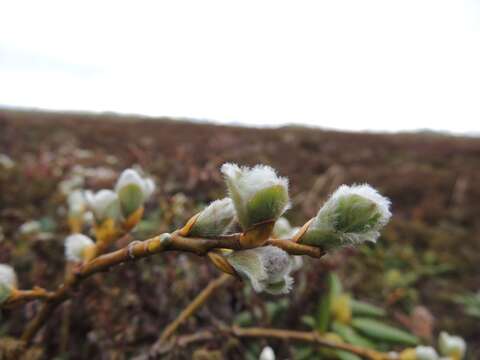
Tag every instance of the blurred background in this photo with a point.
(339, 92)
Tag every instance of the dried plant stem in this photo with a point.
(194, 305)
(19, 297)
(287, 335)
(140, 249)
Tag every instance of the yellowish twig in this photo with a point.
(287, 335)
(140, 249)
(194, 305)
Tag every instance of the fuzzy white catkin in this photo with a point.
(100, 201)
(75, 246)
(326, 218)
(76, 202)
(215, 219)
(8, 276)
(131, 176)
(451, 345)
(251, 180)
(267, 354)
(267, 268)
(245, 184)
(425, 353)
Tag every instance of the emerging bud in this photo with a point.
(267, 354)
(76, 246)
(451, 345)
(267, 268)
(133, 191)
(104, 204)
(425, 353)
(8, 282)
(214, 220)
(76, 203)
(352, 215)
(258, 194)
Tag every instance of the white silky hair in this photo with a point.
(450, 344)
(263, 267)
(218, 211)
(7, 275)
(251, 180)
(99, 202)
(75, 245)
(426, 353)
(326, 217)
(267, 354)
(131, 176)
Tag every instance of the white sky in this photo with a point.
(376, 65)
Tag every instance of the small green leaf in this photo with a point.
(345, 355)
(309, 321)
(304, 353)
(323, 313)
(363, 308)
(350, 336)
(380, 331)
(334, 285)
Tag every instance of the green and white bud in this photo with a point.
(352, 215)
(75, 246)
(104, 204)
(76, 203)
(451, 345)
(133, 190)
(8, 282)
(267, 268)
(426, 353)
(258, 194)
(214, 220)
(267, 354)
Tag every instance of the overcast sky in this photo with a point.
(375, 65)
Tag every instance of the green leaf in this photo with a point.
(380, 331)
(309, 321)
(243, 318)
(363, 308)
(323, 313)
(345, 355)
(334, 285)
(350, 336)
(304, 353)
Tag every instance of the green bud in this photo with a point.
(258, 194)
(267, 268)
(133, 190)
(352, 215)
(5, 292)
(214, 220)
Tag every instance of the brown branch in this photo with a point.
(308, 337)
(19, 297)
(281, 334)
(140, 249)
(194, 305)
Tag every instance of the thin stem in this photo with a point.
(140, 249)
(281, 334)
(19, 297)
(194, 305)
